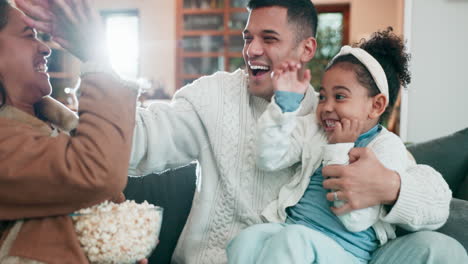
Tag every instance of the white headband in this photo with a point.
(372, 65)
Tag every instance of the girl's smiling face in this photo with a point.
(342, 96)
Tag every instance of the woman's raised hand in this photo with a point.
(73, 24)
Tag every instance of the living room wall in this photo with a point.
(437, 97)
(367, 16)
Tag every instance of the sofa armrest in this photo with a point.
(457, 223)
(449, 156)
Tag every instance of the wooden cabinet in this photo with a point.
(209, 37)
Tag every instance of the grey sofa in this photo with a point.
(174, 191)
(449, 156)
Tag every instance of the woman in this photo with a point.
(46, 174)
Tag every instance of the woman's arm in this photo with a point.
(43, 175)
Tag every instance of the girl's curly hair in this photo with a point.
(390, 51)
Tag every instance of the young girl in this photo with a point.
(359, 87)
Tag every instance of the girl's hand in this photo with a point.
(73, 24)
(286, 77)
(346, 131)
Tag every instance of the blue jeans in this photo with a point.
(286, 243)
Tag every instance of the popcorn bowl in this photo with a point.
(118, 233)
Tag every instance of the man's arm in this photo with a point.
(423, 202)
(418, 196)
(341, 141)
(167, 135)
(389, 150)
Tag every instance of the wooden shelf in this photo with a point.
(203, 11)
(237, 10)
(202, 54)
(61, 75)
(190, 33)
(210, 54)
(234, 54)
(53, 45)
(214, 11)
(205, 55)
(191, 76)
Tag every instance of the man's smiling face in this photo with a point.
(269, 39)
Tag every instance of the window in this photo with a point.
(332, 33)
(122, 36)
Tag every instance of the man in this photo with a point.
(213, 121)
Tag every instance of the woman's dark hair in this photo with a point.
(302, 13)
(4, 8)
(390, 51)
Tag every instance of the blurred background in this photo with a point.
(168, 44)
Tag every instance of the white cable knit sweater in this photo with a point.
(213, 121)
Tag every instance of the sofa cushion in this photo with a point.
(462, 191)
(457, 223)
(173, 190)
(448, 155)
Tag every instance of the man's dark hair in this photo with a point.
(301, 13)
(4, 8)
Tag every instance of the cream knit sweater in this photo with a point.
(213, 121)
